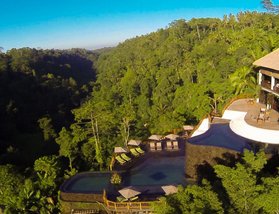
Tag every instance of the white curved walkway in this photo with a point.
(239, 126)
(204, 126)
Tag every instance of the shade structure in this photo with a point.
(155, 137)
(172, 136)
(119, 149)
(134, 142)
(129, 192)
(169, 189)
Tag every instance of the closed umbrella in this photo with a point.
(129, 192)
(172, 136)
(119, 149)
(134, 142)
(155, 137)
(170, 189)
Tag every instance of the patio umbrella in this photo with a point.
(129, 192)
(172, 136)
(119, 149)
(155, 137)
(170, 189)
(134, 142)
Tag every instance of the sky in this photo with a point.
(93, 24)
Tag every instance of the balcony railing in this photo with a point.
(120, 206)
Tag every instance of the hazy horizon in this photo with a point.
(94, 25)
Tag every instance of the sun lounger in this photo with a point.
(152, 146)
(125, 157)
(159, 146)
(175, 145)
(134, 198)
(139, 150)
(120, 160)
(121, 199)
(134, 152)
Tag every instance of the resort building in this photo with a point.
(268, 68)
(256, 120)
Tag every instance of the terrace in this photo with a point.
(253, 110)
(252, 120)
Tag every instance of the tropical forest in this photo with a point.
(64, 111)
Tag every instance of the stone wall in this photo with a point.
(200, 159)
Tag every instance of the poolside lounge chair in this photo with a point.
(121, 199)
(139, 150)
(159, 146)
(120, 160)
(152, 146)
(169, 145)
(125, 157)
(134, 152)
(175, 145)
(134, 198)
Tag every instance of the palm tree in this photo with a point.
(244, 81)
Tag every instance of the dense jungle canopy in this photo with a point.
(63, 111)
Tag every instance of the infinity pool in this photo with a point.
(154, 171)
(158, 171)
(221, 135)
(89, 182)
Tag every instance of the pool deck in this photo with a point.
(151, 154)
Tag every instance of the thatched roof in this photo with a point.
(170, 189)
(155, 137)
(134, 142)
(270, 60)
(129, 192)
(172, 136)
(119, 149)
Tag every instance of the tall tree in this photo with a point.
(242, 182)
(269, 6)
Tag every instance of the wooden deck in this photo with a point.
(253, 111)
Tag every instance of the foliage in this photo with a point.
(63, 111)
(268, 5)
(192, 199)
(47, 169)
(242, 183)
(115, 178)
(10, 185)
(47, 128)
(241, 189)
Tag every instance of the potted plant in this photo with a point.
(115, 179)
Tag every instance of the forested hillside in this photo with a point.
(38, 89)
(64, 111)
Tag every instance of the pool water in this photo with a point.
(155, 171)
(158, 171)
(221, 135)
(89, 182)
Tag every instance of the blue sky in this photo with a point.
(94, 24)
